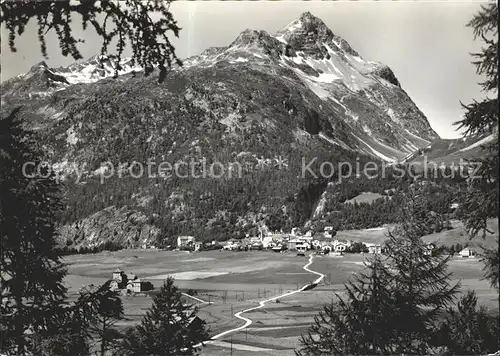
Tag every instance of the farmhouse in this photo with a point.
(277, 248)
(301, 250)
(193, 321)
(197, 245)
(340, 245)
(467, 252)
(185, 241)
(117, 274)
(113, 285)
(119, 280)
(134, 285)
(374, 248)
(328, 231)
(292, 244)
(231, 244)
(129, 282)
(327, 249)
(428, 249)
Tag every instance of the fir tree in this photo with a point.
(393, 309)
(481, 118)
(31, 271)
(358, 325)
(422, 288)
(68, 337)
(103, 308)
(168, 328)
(87, 324)
(469, 330)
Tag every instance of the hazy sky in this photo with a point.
(425, 43)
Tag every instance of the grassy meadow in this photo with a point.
(234, 281)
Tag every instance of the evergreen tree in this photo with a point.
(394, 309)
(469, 330)
(31, 271)
(85, 325)
(68, 337)
(422, 288)
(358, 325)
(143, 25)
(481, 118)
(105, 308)
(168, 328)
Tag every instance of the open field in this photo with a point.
(448, 237)
(235, 281)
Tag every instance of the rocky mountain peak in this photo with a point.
(41, 77)
(313, 23)
(306, 22)
(300, 93)
(259, 41)
(97, 67)
(38, 66)
(309, 33)
(253, 37)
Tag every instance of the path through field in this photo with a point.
(195, 298)
(262, 303)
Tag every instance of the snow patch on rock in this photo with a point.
(71, 138)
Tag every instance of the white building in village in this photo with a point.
(121, 280)
(467, 252)
(429, 248)
(374, 248)
(328, 231)
(134, 285)
(341, 245)
(185, 241)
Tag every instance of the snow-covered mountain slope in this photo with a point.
(97, 68)
(452, 151)
(300, 93)
(380, 118)
(366, 95)
(41, 80)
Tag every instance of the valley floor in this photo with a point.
(235, 281)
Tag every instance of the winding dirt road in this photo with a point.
(262, 303)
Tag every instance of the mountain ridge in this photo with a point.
(306, 94)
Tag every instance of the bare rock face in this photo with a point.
(309, 34)
(386, 73)
(302, 92)
(311, 122)
(124, 227)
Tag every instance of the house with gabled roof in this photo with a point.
(127, 281)
(467, 252)
(134, 285)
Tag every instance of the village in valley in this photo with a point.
(295, 243)
(326, 242)
(259, 292)
(171, 186)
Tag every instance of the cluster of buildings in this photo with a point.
(129, 282)
(295, 241)
(188, 242)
